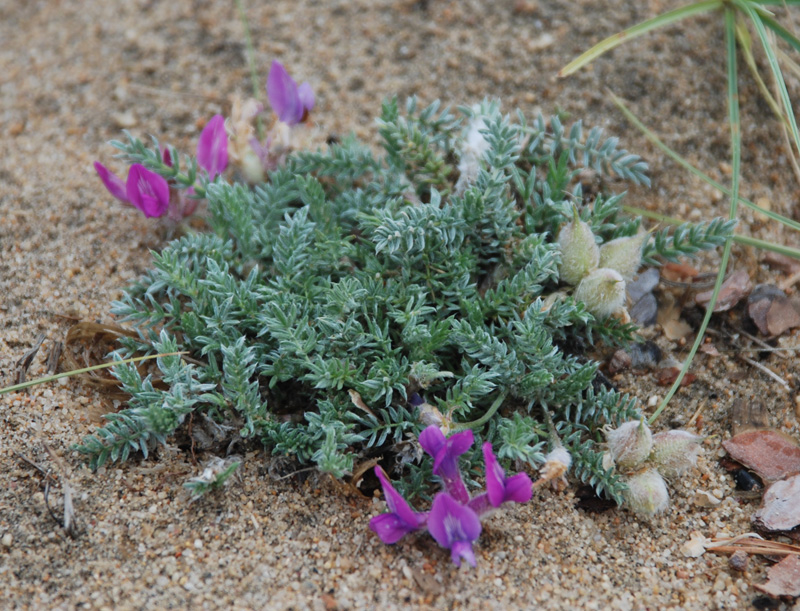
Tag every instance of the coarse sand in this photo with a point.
(74, 73)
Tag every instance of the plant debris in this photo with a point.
(771, 310)
(24, 363)
(733, 290)
(770, 453)
(780, 508)
(783, 579)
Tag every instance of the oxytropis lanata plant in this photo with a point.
(344, 300)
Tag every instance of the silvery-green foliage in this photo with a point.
(325, 305)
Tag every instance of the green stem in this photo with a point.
(75, 372)
(251, 62)
(483, 419)
(736, 146)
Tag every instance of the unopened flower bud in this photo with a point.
(603, 292)
(579, 251)
(623, 255)
(647, 493)
(630, 444)
(675, 452)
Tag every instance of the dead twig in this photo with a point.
(752, 544)
(781, 352)
(54, 357)
(763, 368)
(766, 370)
(24, 363)
(69, 525)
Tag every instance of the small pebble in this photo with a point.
(8, 540)
(124, 120)
(702, 498)
(739, 561)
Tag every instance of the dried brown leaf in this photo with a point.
(781, 317)
(771, 310)
(733, 290)
(780, 507)
(770, 453)
(783, 579)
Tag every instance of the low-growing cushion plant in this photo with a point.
(339, 308)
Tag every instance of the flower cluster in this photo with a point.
(599, 273)
(645, 460)
(156, 196)
(290, 102)
(454, 519)
(219, 141)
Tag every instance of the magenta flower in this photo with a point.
(143, 189)
(401, 519)
(148, 191)
(112, 182)
(454, 526)
(445, 453)
(212, 147)
(499, 488)
(290, 102)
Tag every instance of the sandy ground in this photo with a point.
(75, 72)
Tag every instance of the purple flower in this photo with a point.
(143, 189)
(499, 488)
(445, 453)
(290, 102)
(212, 147)
(148, 191)
(454, 526)
(401, 519)
(112, 182)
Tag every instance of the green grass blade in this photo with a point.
(251, 62)
(642, 28)
(736, 156)
(781, 31)
(652, 137)
(777, 73)
(773, 2)
(75, 372)
(746, 47)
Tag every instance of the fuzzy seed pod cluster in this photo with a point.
(598, 273)
(644, 460)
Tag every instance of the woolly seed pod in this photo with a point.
(579, 251)
(603, 292)
(630, 444)
(647, 493)
(556, 464)
(675, 452)
(623, 255)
